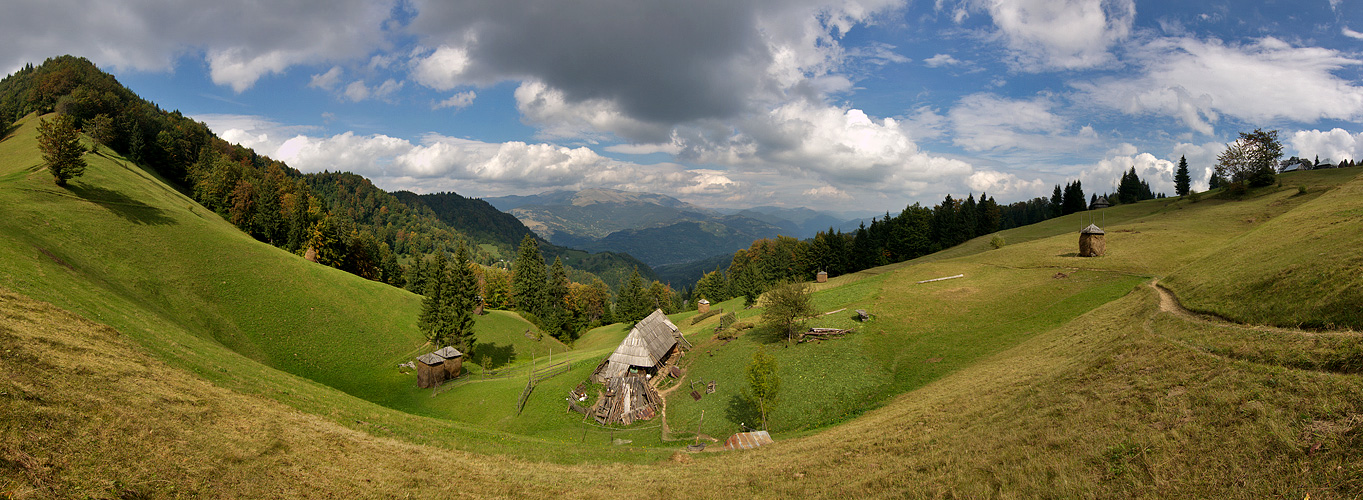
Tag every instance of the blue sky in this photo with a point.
(841, 105)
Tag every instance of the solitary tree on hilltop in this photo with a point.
(1182, 182)
(59, 141)
(1252, 159)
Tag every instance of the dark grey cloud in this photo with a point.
(241, 40)
(658, 61)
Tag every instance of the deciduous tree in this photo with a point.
(787, 306)
(1252, 159)
(59, 142)
(764, 384)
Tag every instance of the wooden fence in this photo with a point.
(537, 376)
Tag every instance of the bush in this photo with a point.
(997, 242)
(1301, 189)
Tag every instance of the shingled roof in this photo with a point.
(448, 353)
(646, 344)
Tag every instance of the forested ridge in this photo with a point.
(345, 220)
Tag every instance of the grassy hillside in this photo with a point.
(122, 248)
(151, 350)
(1302, 268)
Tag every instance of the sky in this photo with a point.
(836, 105)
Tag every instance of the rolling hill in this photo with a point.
(151, 349)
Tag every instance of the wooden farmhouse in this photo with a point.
(627, 373)
(648, 346)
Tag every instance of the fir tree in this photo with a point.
(527, 285)
(461, 298)
(1182, 182)
(433, 322)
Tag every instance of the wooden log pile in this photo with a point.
(627, 399)
(823, 333)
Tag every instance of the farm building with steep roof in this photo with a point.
(648, 346)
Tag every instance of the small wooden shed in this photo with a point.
(430, 370)
(703, 306)
(454, 361)
(822, 277)
(1091, 242)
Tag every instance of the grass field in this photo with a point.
(152, 351)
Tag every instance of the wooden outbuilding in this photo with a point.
(703, 306)
(822, 277)
(1092, 242)
(454, 361)
(1100, 202)
(430, 370)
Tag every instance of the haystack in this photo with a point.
(821, 277)
(1091, 242)
(430, 370)
(454, 361)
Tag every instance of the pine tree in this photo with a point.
(59, 142)
(433, 321)
(1182, 182)
(1057, 202)
(557, 289)
(527, 285)
(630, 305)
(461, 298)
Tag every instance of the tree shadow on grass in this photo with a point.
(500, 355)
(743, 411)
(121, 205)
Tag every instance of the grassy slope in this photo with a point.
(1303, 268)
(1059, 399)
(122, 248)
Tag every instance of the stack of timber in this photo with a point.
(628, 398)
(823, 333)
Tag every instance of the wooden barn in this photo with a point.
(430, 370)
(454, 361)
(1091, 242)
(647, 347)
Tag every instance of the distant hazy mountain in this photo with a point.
(574, 217)
(656, 229)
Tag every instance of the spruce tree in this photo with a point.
(527, 283)
(461, 297)
(433, 322)
(630, 305)
(1057, 202)
(1182, 182)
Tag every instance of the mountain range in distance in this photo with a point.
(658, 229)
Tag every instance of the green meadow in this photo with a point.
(151, 350)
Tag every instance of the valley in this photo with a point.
(153, 349)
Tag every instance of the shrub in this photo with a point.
(997, 242)
(1301, 189)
